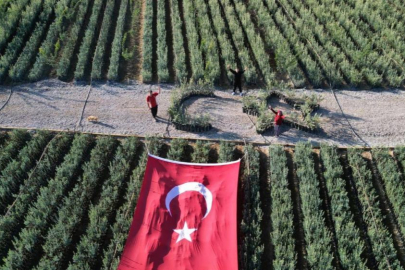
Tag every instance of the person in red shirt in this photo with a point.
(152, 104)
(278, 121)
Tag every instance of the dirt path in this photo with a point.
(377, 116)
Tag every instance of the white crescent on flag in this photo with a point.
(190, 186)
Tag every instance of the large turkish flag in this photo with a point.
(185, 218)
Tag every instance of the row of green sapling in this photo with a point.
(301, 116)
(178, 113)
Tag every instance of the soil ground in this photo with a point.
(377, 116)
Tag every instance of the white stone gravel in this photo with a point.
(377, 116)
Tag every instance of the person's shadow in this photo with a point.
(104, 125)
(162, 120)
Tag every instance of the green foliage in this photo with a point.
(154, 145)
(58, 241)
(240, 42)
(251, 103)
(72, 38)
(348, 237)
(123, 220)
(42, 212)
(118, 42)
(201, 152)
(399, 153)
(381, 241)
(285, 57)
(285, 256)
(16, 171)
(227, 53)
(178, 113)
(10, 150)
(12, 12)
(178, 44)
(394, 184)
(147, 49)
(318, 239)
(162, 51)
(89, 40)
(265, 121)
(12, 222)
(27, 24)
(208, 43)
(257, 44)
(196, 57)
(252, 247)
(19, 70)
(100, 54)
(100, 214)
(177, 150)
(226, 152)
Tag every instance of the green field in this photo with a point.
(310, 43)
(67, 201)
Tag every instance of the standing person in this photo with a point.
(278, 121)
(152, 104)
(237, 81)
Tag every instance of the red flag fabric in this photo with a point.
(185, 218)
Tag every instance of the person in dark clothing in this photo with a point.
(237, 82)
(278, 121)
(152, 104)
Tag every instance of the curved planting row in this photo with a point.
(382, 243)
(349, 242)
(282, 231)
(317, 237)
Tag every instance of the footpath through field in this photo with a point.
(377, 116)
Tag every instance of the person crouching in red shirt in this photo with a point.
(278, 121)
(152, 104)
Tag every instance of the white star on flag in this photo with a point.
(184, 233)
